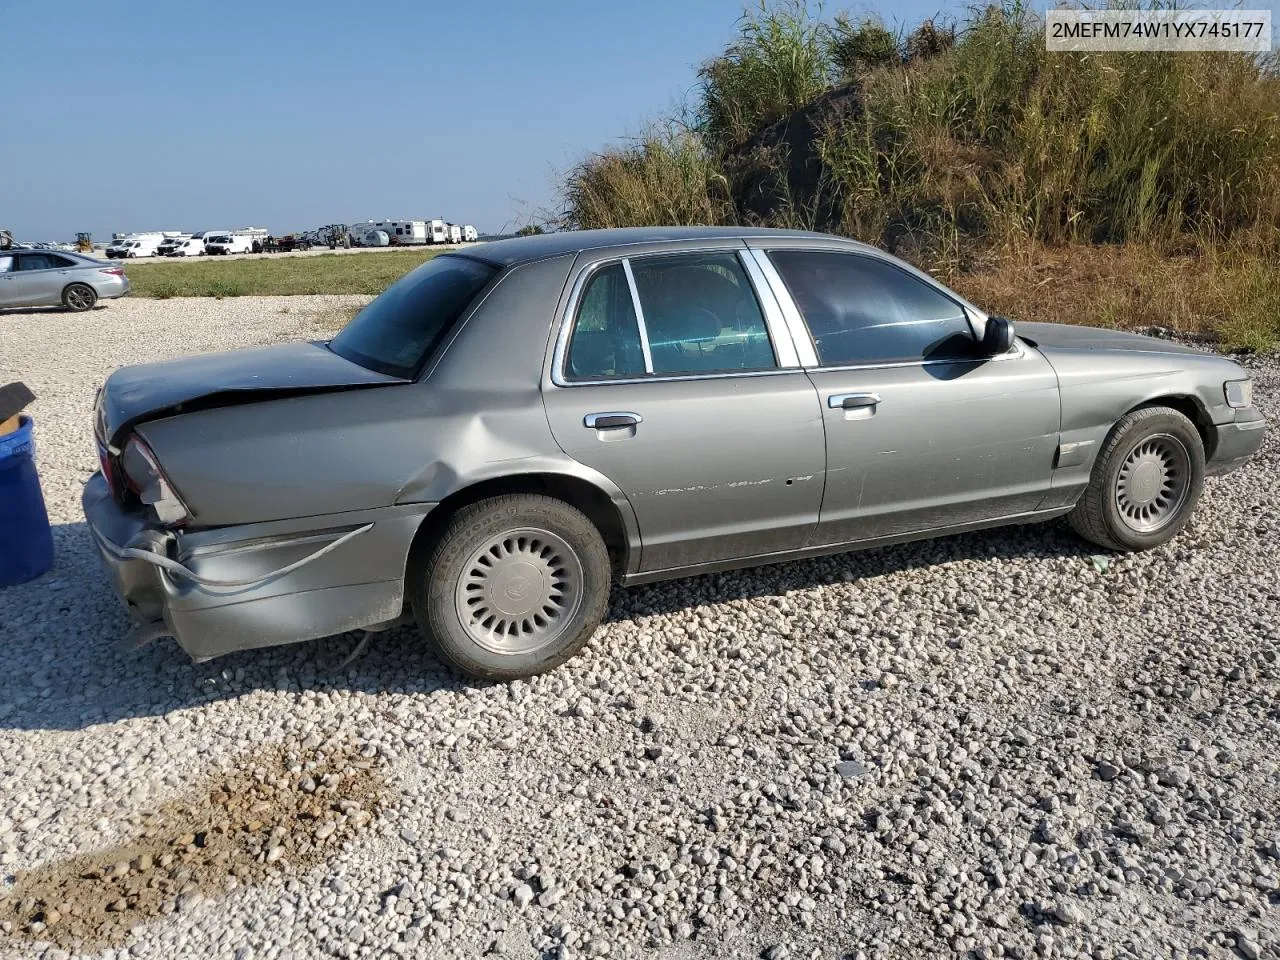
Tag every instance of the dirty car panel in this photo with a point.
(360, 585)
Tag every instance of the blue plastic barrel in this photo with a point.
(26, 542)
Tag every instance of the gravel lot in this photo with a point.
(1001, 743)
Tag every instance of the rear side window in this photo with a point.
(701, 314)
(35, 261)
(605, 342)
(863, 310)
(396, 333)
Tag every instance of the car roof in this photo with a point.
(541, 246)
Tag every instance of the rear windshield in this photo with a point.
(397, 332)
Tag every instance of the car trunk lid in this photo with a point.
(149, 391)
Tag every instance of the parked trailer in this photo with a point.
(469, 233)
(404, 233)
(455, 233)
(437, 231)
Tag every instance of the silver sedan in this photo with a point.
(45, 278)
(513, 427)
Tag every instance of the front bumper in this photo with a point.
(358, 585)
(1237, 441)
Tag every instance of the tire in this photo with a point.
(514, 586)
(1145, 483)
(79, 297)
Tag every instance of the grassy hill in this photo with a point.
(1126, 189)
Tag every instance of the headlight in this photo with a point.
(1239, 393)
(146, 479)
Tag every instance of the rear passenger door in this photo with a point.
(674, 377)
(923, 430)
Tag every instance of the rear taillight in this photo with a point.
(147, 481)
(114, 271)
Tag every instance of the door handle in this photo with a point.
(617, 418)
(852, 401)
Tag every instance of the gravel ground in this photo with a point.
(1001, 743)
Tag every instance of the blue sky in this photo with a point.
(192, 115)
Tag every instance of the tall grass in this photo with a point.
(971, 145)
(780, 61)
(668, 177)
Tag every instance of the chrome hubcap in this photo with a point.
(1153, 482)
(519, 591)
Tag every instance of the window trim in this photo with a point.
(641, 328)
(771, 310)
(804, 338)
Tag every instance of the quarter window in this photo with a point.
(701, 315)
(864, 310)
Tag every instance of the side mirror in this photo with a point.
(997, 338)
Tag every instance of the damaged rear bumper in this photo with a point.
(359, 584)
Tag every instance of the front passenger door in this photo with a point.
(922, 431)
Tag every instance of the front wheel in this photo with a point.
(1145, 483)
(79, 297)
(513, 587)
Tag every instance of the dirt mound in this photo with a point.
(279, 810)
(778, 176)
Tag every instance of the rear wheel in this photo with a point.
(79, 297)
(514, 586)
(1145, 483)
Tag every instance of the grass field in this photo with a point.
(287, 276)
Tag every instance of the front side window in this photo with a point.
(396, 333)
(6, 264)
(605, 341)
(863, 310)
(701, 314)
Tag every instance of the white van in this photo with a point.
(170, 244)
(190, 247)
(455, 233)
(119, 247)
(218, 244)
(437, 231)
(141, 247)
(469, 234)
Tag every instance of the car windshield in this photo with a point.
(397, 332)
